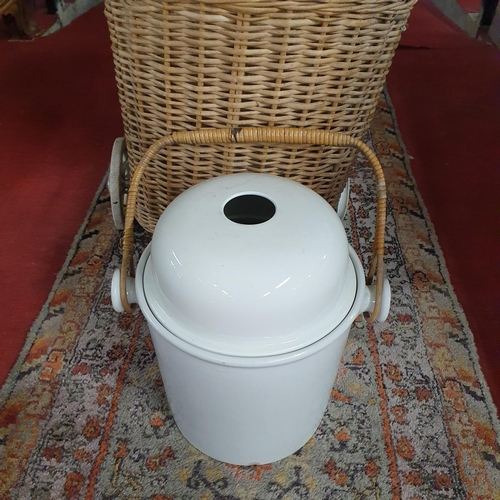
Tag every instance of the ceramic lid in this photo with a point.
(249, 265)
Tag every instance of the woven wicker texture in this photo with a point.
(189, 65)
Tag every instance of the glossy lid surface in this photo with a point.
(249, 265)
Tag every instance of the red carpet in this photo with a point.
(447, 102)
(60, 116)
(428, 27)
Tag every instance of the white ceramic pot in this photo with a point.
(249, 288)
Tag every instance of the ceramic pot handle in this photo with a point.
(276, 135)
(370, 299)
(116, 298)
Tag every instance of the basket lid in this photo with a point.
(249, 265)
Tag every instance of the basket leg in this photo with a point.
(117, 181)
(344, 200)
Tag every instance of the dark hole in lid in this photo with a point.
(249, 209)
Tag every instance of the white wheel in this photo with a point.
(117, 181)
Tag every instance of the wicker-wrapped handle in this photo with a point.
(276, 135)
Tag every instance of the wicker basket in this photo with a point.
(185, 65)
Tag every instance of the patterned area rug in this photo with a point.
(84, 415)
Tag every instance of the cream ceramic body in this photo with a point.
(249, 321)
(248, 410)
